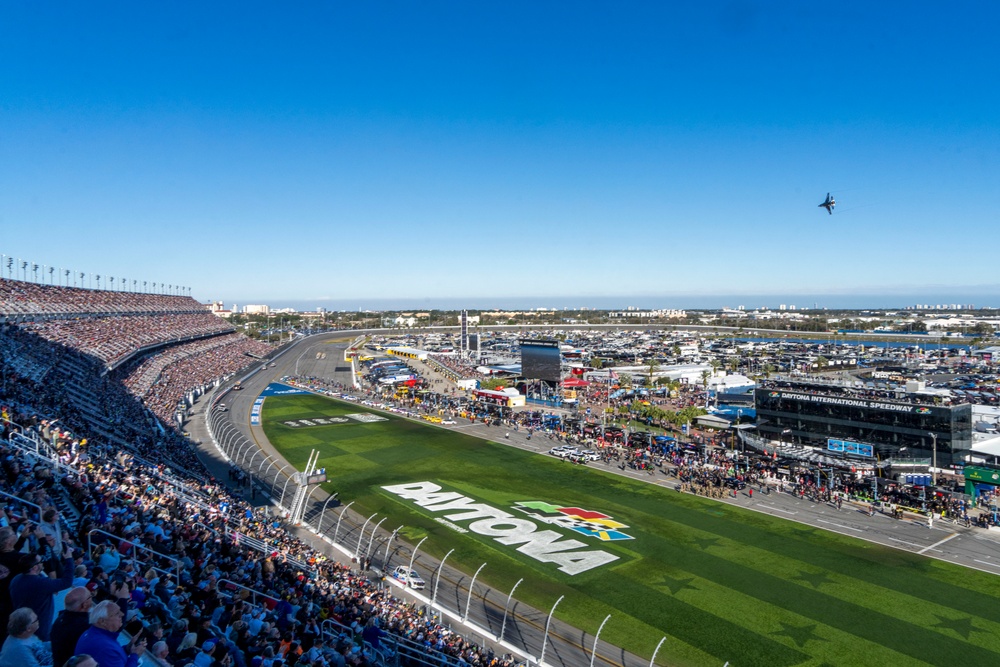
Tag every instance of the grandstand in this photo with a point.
(94, 389)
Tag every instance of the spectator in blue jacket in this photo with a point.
(101, 639)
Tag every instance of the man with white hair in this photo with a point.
(161, 653)
(101, 639)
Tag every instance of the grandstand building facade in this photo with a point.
(868, 425)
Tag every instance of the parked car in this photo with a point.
(409, 577)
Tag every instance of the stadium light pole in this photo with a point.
(545, 637)
(653, 659)
(413, 557)
(503, 626)
(322, 512)
(342, 512)
(371, 539)
(437, 580)
(593, 654)
(468, 600)
(357, 550)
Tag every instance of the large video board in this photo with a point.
(540, 360)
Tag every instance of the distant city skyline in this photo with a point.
(978, 296)
(690, 302)
(328, 152)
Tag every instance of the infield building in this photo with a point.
(855, 422)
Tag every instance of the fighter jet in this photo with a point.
(829, 204)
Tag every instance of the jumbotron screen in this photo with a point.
(540, 360)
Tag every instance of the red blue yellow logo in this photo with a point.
(585, 522)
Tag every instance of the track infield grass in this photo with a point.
(722, 583)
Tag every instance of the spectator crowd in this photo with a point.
(119, 548)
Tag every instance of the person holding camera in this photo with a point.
(34, 589)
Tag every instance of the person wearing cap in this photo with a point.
(100, 640)
(34, 589)
(205, 659)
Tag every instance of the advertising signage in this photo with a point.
(988, 475)
(850, 402)
(848, 447)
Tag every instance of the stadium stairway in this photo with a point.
(36, 452)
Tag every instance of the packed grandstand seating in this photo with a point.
(110, 339)
(151, 530)
(19, 297)
(162, 379)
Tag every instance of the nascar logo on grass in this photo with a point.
(546, 546)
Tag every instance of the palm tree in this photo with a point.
(652, 366)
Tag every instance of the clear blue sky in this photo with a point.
(270, 152)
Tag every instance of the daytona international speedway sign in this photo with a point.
(508, 529)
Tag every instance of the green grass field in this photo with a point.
(723, 584)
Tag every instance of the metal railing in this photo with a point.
(254, 594)
(38, 508)
(264, 547)
(134, 547)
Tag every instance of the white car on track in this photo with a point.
(408, 577)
